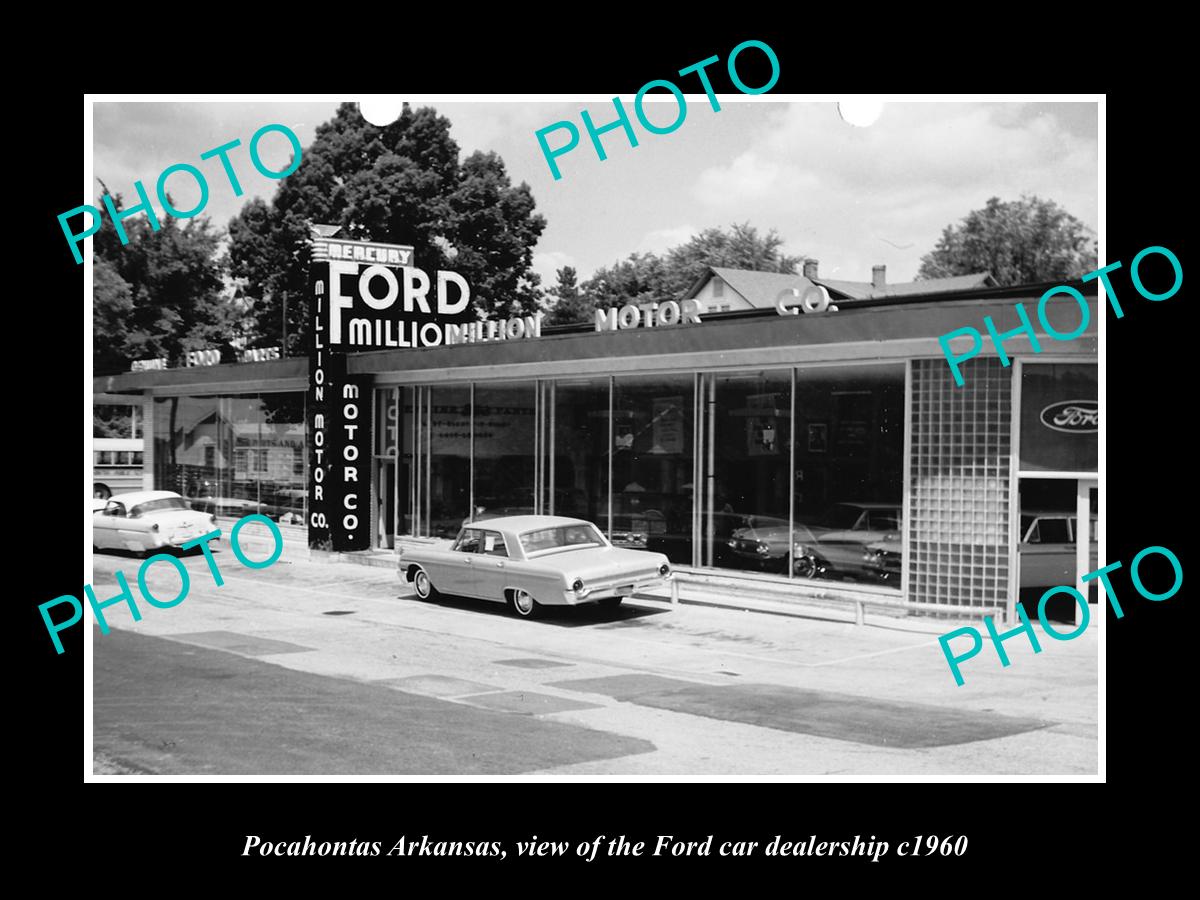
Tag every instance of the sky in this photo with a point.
(850, 197)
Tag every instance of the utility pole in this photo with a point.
(283, 350)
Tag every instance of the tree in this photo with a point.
(402, 184)
(649, 278)
(1019, 242)
(160, 294)
(640, 278)
(568, 304)
(740, 248)
(112, 308)
(493, 235)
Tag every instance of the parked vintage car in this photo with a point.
(842, 543)
(146, 522)
(1047, 549)
(532, 561)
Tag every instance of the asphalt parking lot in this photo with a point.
(317, 668)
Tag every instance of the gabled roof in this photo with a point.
(759, 288)
(864, 290)
(762, 288)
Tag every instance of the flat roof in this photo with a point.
(919, 318)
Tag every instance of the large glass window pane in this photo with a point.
(283, 478)
(448, 489)
(234, 455)
(652, 458)
(387, 431)
(580, 461)
(752, 455)
(190, 447)
(504, 441)
(849, 473)
(406, 438)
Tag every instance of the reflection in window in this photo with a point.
(849, 473)
(448, 445)
(581, 450)
(233, 455)
(747, 527)
(652, 458)
(504, 440)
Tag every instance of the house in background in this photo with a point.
(728, 290)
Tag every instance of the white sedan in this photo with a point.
(146, 521)
(532, 561)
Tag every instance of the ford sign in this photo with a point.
(1072, 416)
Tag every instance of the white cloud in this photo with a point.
(547, 265)
(661, 239)
(854, 197)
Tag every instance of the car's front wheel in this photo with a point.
(522, 603)
(805, 567)
(423, 586)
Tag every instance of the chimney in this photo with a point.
(879, 277)
(810, 269)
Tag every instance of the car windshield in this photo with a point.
(157, 505)
(843, 517)
(561, 537)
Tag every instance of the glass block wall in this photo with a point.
(958, 526)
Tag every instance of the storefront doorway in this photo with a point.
(1057, 543)
(1058, 488)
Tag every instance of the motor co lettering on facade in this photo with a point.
(648, 315)
(813, 299)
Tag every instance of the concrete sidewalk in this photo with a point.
(256, 540)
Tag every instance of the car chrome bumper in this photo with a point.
(626, 589)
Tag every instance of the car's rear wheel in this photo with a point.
(522, 603)
(423, 586)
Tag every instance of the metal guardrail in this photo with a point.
(861, 596)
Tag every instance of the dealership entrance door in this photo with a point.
(1056, 537)
(1057, 544)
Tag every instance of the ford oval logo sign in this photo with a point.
(1072, 416)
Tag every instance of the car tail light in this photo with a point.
(664, 570)
(577, 586)
(212, 519)
(154, 527)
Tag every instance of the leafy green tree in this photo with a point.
(161, 294)
(112, 308)
(647, 277)
(639, 278)
(741, 247)
(494, 230)
(402, 184)
(568, 305)
(1019, 242)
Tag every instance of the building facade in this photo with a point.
(828, 451)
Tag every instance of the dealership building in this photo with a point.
(773, 429)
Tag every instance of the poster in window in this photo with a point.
(762, 436)
(818, 437)
(667, 431)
